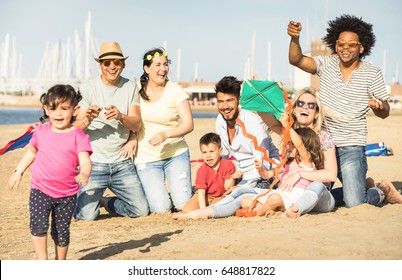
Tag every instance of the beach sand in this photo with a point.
(360, 233)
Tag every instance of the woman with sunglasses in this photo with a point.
(349, 87)
(307, 112)
(162, 150)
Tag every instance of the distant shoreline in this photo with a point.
(31, 102)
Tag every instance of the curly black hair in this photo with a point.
(349, 23)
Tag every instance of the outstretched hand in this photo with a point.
(113, 113)
(93, 112)
(376, 104)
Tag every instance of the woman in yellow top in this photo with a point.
(162, 150)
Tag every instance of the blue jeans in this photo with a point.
(352, 170)
(227, 206)
(316, 198)
(178, 173)
(122, 179)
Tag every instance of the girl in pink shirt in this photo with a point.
(59, 154)
(304, 153)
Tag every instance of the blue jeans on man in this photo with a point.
(122, 179)
(352, 170)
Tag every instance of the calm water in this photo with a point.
(30, 116)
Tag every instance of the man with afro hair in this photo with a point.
(349, 87)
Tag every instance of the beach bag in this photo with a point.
(378, 149)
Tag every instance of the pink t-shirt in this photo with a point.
(294, 167)
(213, 181)
(56, 163)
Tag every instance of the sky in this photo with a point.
(216, 35)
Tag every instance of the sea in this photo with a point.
(9, 116)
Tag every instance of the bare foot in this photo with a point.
(272, 213)
(269, 213)
(370, 183)
(193, 215)
(292, 212)
(391, 193)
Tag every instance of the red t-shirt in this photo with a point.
(212, 181)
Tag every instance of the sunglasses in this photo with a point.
(310, 105)
(107, 62)
(350, 44)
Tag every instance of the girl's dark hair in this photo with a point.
(349, 23)
(59, 94)
(312, 143)
(147, 61)
(211, 138)
(229, 85)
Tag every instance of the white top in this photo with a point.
(160, 116)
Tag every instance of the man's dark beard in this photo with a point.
(232, 118)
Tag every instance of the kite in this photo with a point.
(265, 97)
(21, 141)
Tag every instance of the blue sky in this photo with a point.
(216, 34)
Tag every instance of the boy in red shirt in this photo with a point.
(215, 178)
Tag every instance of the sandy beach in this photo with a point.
(361, 233)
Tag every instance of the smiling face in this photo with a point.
(347, 54)
(158, 70)
(60, 115)
(228, 106)
(110, 71)
(211, 154)
(304, 115)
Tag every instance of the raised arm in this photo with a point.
(296, 57)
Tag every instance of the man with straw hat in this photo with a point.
(109, 111)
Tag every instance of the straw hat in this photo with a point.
(110, 50)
